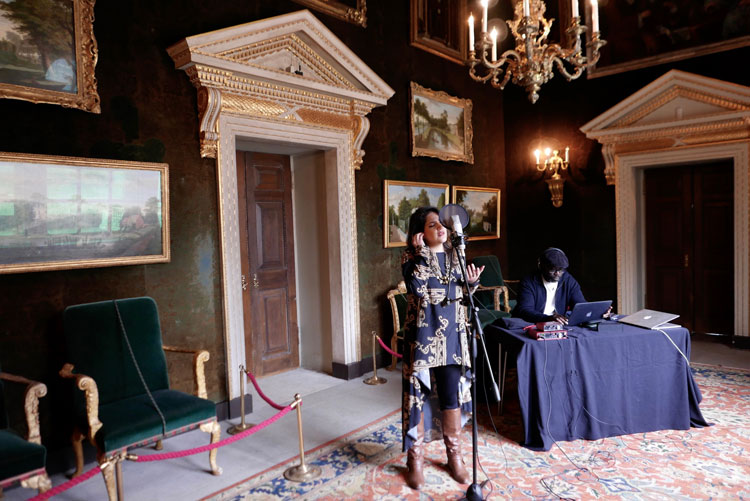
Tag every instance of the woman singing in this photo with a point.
(436, 349)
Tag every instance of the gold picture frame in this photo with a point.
(340, 10)
(483, 206)
(400, 198)
(440, 125)
(63, 71)
(63, 212)
(440, 29)
(659, 34)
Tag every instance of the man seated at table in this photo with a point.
(548, 293)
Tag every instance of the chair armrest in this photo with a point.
(200, 357)
(34, 391)
(88, 386)
(498, 289)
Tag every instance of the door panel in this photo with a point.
(690, 244)
(267, 252)
(714, 248)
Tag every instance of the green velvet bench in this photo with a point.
(23, 460)
(114, 411)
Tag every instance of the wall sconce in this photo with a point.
(551, 165)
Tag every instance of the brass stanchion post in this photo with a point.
(374, 379)
(302, 472)
(233, 430)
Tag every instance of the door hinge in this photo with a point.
(686, 261)
(244, 283)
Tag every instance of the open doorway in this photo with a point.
(284, 256)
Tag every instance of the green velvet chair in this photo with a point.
(114, 411)
(23, 460)
(492, 288)
(397, 300)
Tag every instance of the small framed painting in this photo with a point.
(483, 206)
(48, 52)
(440, 125)
(400, 199)
(60, 213)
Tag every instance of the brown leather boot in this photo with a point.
(415, 460)
(452, 439)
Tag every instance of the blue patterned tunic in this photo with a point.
(435, 336)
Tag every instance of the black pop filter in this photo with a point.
(450, 210)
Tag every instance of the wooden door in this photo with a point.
(264, 186)
(689, 244)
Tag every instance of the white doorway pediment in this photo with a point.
(295, 49)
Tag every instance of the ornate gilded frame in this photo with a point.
(86, 54)
(475, 206)
(699, 48)
(420, 35)
(439, 100)
(62, 213)
(355, 15)
(396, 191)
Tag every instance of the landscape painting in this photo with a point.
(61, 212)
(483, 206)
(48, 52)
(400, 199)
(440, 125)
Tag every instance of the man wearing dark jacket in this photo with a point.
(550, 292)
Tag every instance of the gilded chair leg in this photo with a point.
(118, 480)
(159, 445)
(394, 349)
(76, 440)
(39, 482)
(109, 478)
(215, 430)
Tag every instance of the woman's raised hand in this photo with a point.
(417, 240)
(474, 273)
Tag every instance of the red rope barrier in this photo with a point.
(262, 395)
(67, 485)
(222, 443)
(388, 349)
(168, 455)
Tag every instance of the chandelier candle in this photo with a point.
(531, 63)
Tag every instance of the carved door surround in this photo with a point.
(677, 119)
(286, 80)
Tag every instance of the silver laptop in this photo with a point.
(586, 313)
(648, 319)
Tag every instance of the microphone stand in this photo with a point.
(474, 492)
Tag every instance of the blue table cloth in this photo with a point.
(615, 381)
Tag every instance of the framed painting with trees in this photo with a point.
(440, 125)
(400, 199)
(62, 212)
(483, 206)
(48, 52)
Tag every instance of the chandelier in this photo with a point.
(530, 64)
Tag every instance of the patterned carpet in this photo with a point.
(707, 463)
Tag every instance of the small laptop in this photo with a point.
(587, 313)
(648, 319)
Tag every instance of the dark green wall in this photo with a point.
(149, 113)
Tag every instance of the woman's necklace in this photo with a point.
(438, 272)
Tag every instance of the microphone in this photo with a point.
(455, 217)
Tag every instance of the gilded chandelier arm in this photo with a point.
(88, 386)
(34, 391)
(199, 374)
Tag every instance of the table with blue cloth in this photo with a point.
(616, 380)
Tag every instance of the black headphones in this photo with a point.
(539, 259)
